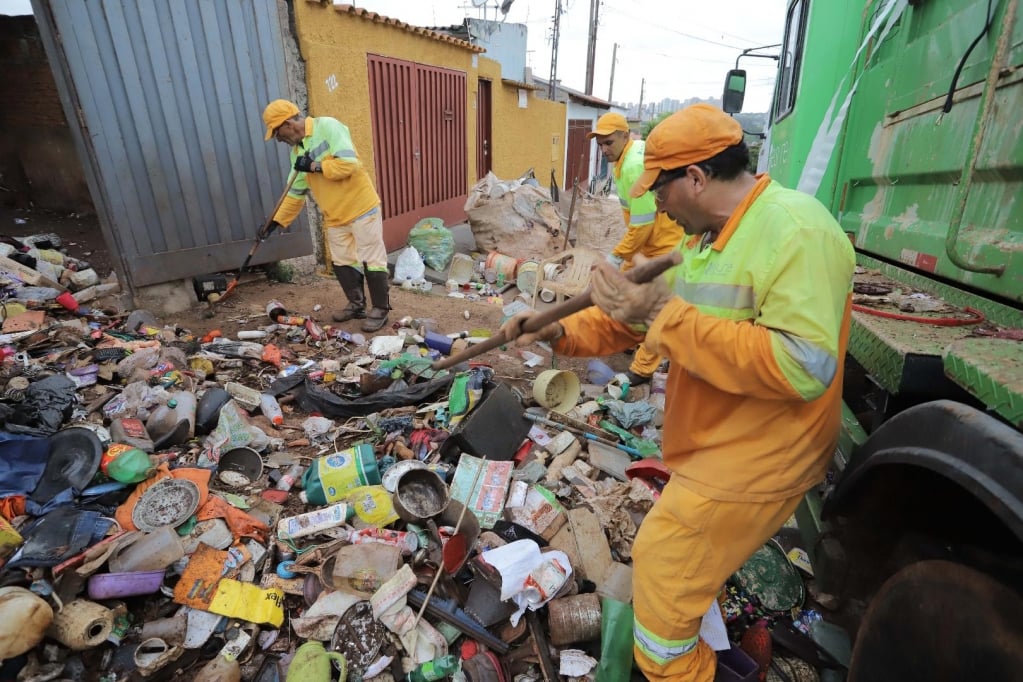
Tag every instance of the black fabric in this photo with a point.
(48, 403)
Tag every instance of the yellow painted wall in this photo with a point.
(533, 137)
(334, 46)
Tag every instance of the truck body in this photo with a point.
(905, 119)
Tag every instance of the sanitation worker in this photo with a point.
(324, 156)
(648, 232)
(754, 321)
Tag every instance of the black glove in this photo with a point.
(269, 228)
(304, 163)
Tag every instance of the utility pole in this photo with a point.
(614, 58)
(642, 86)
(591, 47)
(554, 50)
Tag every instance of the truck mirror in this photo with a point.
(735, 91)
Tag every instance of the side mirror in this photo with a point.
(735, 91)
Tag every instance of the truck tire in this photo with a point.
(940, 621)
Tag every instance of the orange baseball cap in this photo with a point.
(607, 124)
(276, 113)
(688, 136)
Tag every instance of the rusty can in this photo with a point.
(574, 619)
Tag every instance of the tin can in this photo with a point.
(574, 619)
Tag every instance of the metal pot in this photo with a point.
(420, 494)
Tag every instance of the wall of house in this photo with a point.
(334, 46)
(533, 137)
(38, 163)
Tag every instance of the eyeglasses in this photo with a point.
(666, 177)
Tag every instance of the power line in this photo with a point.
(647, 22)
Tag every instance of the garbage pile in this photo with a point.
(301, 503)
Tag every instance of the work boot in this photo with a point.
(350, 280)
(376, 281)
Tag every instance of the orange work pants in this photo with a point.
(686, 548)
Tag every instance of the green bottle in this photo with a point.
(437, 669)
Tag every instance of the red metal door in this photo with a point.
(483, 129)
(419, 143)
(578, 150)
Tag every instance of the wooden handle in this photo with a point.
(640, 275)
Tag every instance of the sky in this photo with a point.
(682, 48)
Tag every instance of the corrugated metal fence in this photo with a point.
(165, 98)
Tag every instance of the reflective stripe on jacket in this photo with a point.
(756, 339)
(343, 190)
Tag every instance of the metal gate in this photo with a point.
(578, 161)
(419, 143)
(484, 121)
(164, 101)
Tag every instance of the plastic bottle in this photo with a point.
(275, 309)
(293, 473)
(131, 431)
(126, 464)
(329, 478)
(437, 669)
(271, 409)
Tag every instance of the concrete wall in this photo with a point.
(533, 137)
(38, 163)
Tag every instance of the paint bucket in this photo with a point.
(526, 276)
(557, 390)
(502, 265)
(461, 269)
(574, 619)
(81, 625)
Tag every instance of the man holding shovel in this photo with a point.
(755, 321)
(648, 232)
(324, 157)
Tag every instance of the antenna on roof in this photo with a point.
(506, 5)
(478, 3)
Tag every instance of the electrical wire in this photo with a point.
(976, 317)
(962, 62)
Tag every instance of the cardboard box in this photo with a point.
(486, 499)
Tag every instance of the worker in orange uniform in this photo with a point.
(754, 320)
(324, 156)
(648, 232)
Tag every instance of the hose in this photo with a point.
(976, 317)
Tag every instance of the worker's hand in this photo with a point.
(626, 301)
(512, 330)
(270, 228)
(615, 261)
(305, 164)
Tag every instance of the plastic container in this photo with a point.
(502, 265)
(275, 309)
(173, 422)
(126, 464)
(289, 477)
(526, 275)
(598, 373)
(314, 522)
(118, 585)
(248, 398)
(131, 432)
(574, 619)
(461, 268)
(148, 552)
(271, 409)
(330, 477)
(557, 390)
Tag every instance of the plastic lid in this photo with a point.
(172, 403)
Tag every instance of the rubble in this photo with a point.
(306, 504)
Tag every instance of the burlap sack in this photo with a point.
(514, 217)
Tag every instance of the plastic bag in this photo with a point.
(409, 267)
(434, 241)
(615, 641)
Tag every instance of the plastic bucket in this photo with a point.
(557, 390)
(502, 265)
(598, 372)
(461, 269)
(525, 278)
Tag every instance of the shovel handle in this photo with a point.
(640, 274)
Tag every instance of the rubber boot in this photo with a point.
(376, 281)
(350, 280)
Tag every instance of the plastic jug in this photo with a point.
(148, 551)
(329, 478)
(312, 664)
(173, 422)
(131, 431)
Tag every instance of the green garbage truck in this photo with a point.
(904, 117)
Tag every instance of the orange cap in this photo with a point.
(276, 113)
(607, 124)
(689, 136)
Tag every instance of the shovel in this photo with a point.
(640, 275)
(261, 236)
